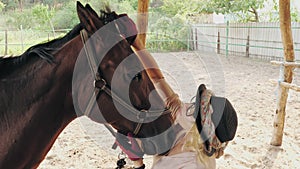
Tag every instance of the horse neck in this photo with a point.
(36, 107)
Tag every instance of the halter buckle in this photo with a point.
(100, 84)
(142, 115)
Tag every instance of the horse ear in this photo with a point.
(88, 18)
(90, 9)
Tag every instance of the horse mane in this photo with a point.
(44, 51)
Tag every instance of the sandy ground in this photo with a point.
(245, 82)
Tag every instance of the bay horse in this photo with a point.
(47, 87)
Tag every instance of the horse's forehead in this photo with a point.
(110, 63)
(122, 52)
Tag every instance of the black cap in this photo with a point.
(224, 117)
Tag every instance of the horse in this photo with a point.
(41, 92)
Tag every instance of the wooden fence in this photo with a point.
(14, 42)
(262, 40)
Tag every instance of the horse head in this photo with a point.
(125, 94)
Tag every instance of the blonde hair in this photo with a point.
(194, 143)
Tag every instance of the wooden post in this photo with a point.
(218, 43)
(192, 40)
(227, 37)
(188, 40)
(6, 43)
(287, 40)
(22, 40)
(196, 38)
(142, 20)
(248, 46)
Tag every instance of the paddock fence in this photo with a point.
(256, 40)
(16, 41)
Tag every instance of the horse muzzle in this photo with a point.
(162, 143)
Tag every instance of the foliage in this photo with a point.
(53, 3)
(168, 33)
(124, 6)
(272, 15)
(243, 10)
(2, 5)
(10, 5)
(168, 24)
(231, 6)
(295, 17)
(42, 16)
(240, 10)
(65, 17)
(16, 19)
(182, 8)
(39, 17)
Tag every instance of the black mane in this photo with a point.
(43, 50)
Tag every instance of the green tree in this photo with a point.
(43, 15)
(244, 10)
(295, 17)
(180, 8)
(66, 17)
(273, 14)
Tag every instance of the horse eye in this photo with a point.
(134, 76)
(138, 76)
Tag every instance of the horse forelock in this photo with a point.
(106, 15)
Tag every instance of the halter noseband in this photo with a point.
(141, 115)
